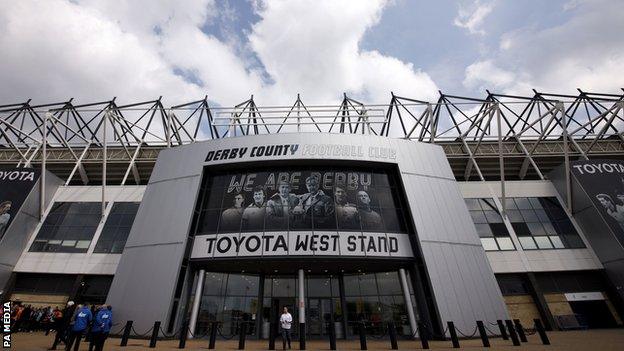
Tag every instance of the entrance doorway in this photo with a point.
(595, 313)
(319, 316)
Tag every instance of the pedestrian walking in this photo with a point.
(82, 318)
(61, 324)
(102, 325)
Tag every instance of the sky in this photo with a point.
(139, 50)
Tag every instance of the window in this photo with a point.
(69, 227)
(541, 223)
(117, 227)
(230, 299)
(489, 224)
(375, 298)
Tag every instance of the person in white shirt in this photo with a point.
(285, 323)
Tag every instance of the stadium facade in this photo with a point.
(458, 210)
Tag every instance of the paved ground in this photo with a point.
(603, 340)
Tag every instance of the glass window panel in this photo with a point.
(83, 244)
(393, 220)
(499, 229)
(484, 230)
(536, 229)
(368, 285)
(529, 216)
(523, 203)
(556, 241)
(473, 204)
(515, 216)
(510, 204)
(493, 217)
(489, 244)
(527, 243)
(505, 243)
(549, 228)
(478, 216)
(389, 283)
(541, 214)
(535, 202)
(214, 283)
(521, 229)
(351, 285)
(573, 241)
(70, 243)
(543, 242)
(488, 205)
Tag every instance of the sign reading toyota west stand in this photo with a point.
(15, 185)
(603, 181)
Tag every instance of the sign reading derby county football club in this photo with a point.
(603, 181)
(15, 185)
(302, 211)
(310, 150)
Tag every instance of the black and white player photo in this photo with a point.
(369, 218)
(231, 217)
(281, 206)
(254, 214)
(346, 212)
(315, 204)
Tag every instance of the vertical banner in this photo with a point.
(15, 185)
(603, 181)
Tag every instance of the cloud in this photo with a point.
(312, 47)
(139, 50)
(472, 17)
(585, 51)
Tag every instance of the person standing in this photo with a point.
(82, 318)
(285, 323)
(61, 324)
(101, 327)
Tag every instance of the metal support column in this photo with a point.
(104, 161)
(301, 305)
(566, 156)
(408, 300)
(44, 141)
(196, 302)
(501, 158)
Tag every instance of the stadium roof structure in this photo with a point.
(497, 137)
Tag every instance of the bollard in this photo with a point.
(422, 332)
(512, 332)
(362, 331)
(241, 337)
(183, 334)
(126, 333)
(272, 336)
(541, 331)
(332, 336)
(502, 329)
(483, 334)
(520, 330)
(393, 336)
(213, 335)
(302, 336)
(453, 332)
(155, 332)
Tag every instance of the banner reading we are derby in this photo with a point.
(15, 185)
(603, 181)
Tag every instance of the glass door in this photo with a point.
(319, 316)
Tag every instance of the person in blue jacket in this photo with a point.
(101, 327)
(82, 318)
